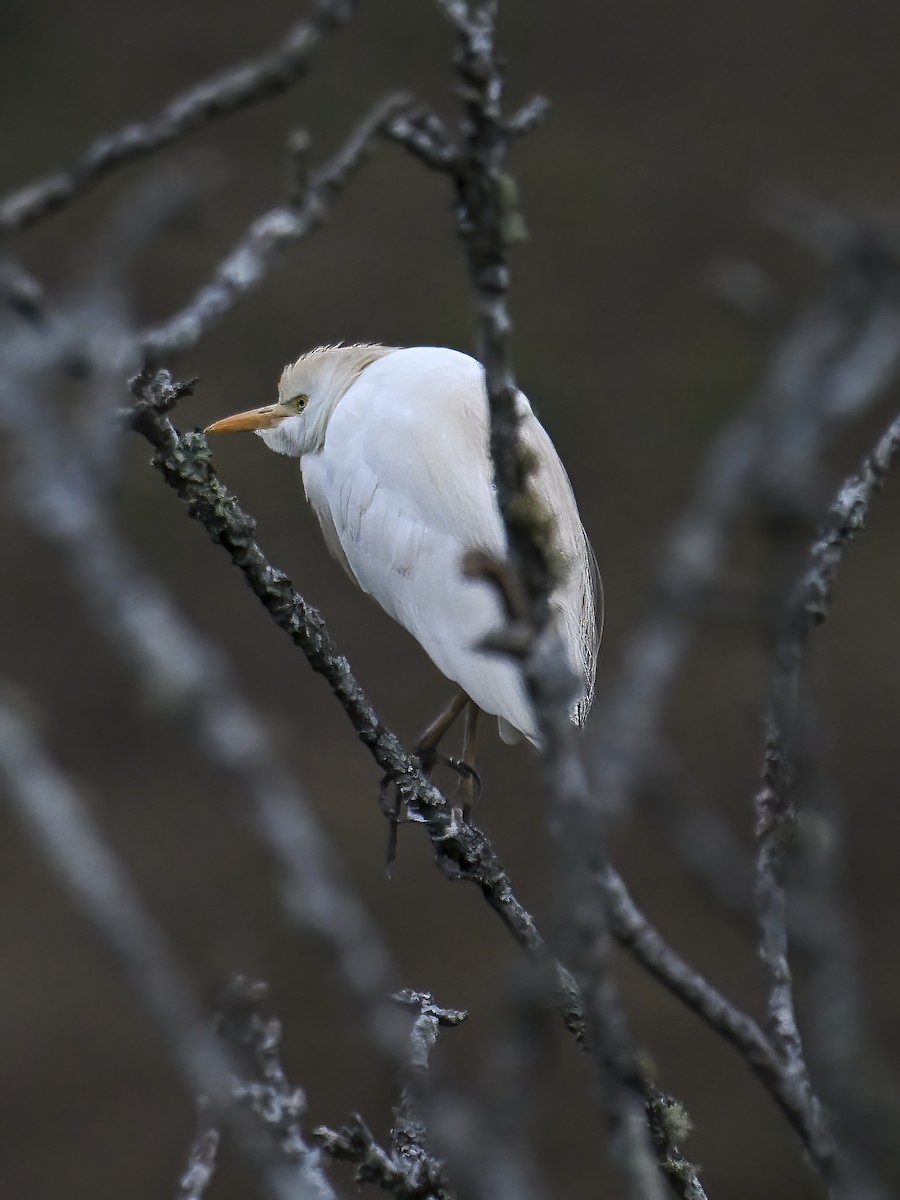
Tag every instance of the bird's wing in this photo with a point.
(577, 599)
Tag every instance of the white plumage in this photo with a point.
(393, 449)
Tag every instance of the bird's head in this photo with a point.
(308, 392)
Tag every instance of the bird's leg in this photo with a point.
(427, 745)
(470, 784)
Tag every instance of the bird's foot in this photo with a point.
(469, 787)
(429, 759)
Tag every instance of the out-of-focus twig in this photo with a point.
(258, 79)
(263, 1085)
(201, 1166)
(249, 263)
(21, 291)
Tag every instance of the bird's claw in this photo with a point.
(429, 759)
(467, 773)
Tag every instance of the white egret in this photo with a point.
(393, 449)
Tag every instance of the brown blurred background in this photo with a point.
(666, 122)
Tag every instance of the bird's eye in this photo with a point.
(298, 403)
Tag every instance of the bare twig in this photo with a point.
(409, 1169)
(240, 87)
(810, 601)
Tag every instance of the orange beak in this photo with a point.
(254, 418)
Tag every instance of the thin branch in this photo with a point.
(251, 260)
(259, 79)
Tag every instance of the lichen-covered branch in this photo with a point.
(252, 82)
(356, 1143)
